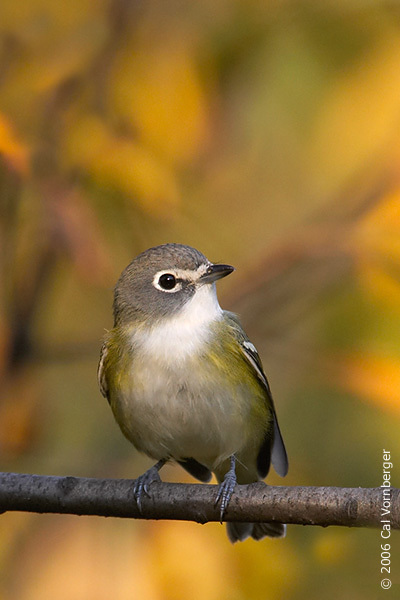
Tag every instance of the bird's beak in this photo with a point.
(215, 272)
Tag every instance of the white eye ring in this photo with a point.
(158, 286)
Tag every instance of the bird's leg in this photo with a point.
(225, 489)
(142, 483)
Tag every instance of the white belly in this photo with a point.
(176, 412)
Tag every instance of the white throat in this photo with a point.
(185, 333)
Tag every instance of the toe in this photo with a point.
(224, 495)
(142, 483)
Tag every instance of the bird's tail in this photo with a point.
(238, 532)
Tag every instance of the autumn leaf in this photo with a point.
(376, 248)
(372, 377)
(14, 151)
(121, 162)
(158, 90)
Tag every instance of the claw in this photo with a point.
(143, 482)
(226, 488)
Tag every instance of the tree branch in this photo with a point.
(324, 506)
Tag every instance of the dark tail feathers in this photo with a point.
(238, 532)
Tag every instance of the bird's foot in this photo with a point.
(142, 483)
(225, 489)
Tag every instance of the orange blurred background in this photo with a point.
(267, 135)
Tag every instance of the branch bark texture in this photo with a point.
(324, 506)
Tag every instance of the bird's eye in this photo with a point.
(167, 281)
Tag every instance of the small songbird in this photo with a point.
(184, 381)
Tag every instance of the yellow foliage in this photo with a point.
(121, 162)
(44, 21)
(15, 152)
(55, 41)
(360, 114)
(99, 560)
(45, 70)
(182, 554)
(376, 246)
(267, 569)
(156, 88)
(379, 230)
(19, 422)
(333, 547)
(13, 527)
(165, 560)
(380, 284)
(374, 378)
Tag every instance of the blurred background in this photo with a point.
(265, 134)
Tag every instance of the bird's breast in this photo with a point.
(186, 408)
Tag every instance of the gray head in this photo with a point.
(161, 281)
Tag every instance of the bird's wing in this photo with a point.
(278, 453)
(101, 378)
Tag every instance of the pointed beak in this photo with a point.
(215, 272)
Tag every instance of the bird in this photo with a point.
(184, 381)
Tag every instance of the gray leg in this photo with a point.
(226, 488)
(143, 482)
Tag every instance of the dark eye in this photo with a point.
(167, 281)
